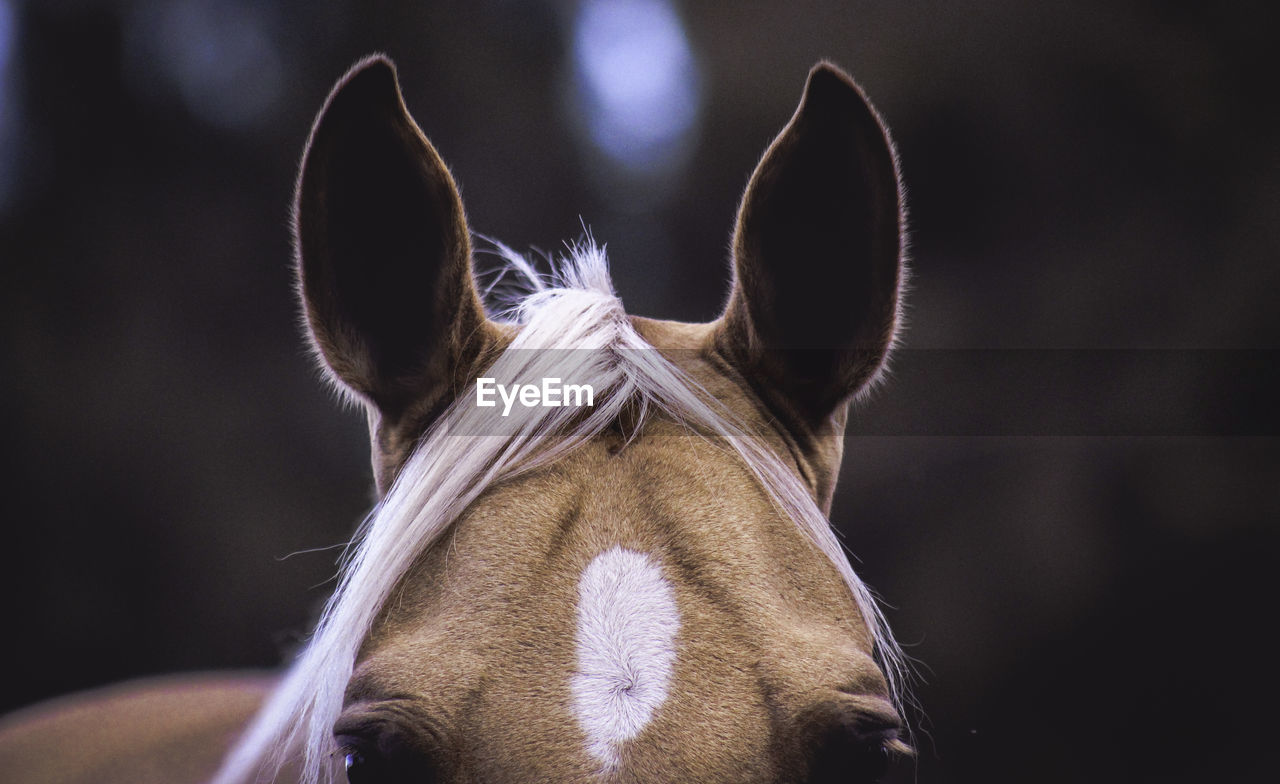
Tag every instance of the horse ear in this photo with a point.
(383, 254)
(817, 254)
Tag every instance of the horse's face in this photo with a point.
(638, 610)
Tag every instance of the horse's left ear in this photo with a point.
(817, 255)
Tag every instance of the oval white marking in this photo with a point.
(627, 624)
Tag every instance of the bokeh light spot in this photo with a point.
(9, 108)
(636, 81)
(219, 57)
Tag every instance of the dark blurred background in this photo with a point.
(1067, 493)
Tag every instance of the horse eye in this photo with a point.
(869, 763)
(387, 756)
(359, 771)
(864, 762)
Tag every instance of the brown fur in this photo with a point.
(478, 642)
(465, 676)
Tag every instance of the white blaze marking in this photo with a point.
(627, 624)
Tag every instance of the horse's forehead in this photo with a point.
(687, 346)
(621, 591)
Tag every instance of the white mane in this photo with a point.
(460, 456)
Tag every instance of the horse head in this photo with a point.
(643, 589)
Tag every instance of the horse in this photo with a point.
(641, 587)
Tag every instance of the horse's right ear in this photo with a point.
(383, 255)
